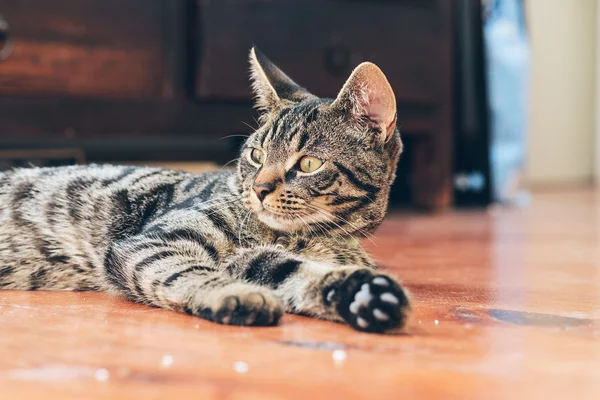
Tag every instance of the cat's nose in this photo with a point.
(263, 189)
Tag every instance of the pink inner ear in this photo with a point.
(369, 95)
(371, 103)
(376, 110)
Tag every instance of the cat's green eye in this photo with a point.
(258, 156)
(309, 164)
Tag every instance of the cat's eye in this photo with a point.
(258, 156)
(309, 164)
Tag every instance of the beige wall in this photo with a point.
(597, 138)
(563, 110)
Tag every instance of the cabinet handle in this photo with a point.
(6, 42)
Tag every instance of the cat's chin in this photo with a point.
(287, 225)
(279, 224)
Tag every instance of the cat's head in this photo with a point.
(319, 164)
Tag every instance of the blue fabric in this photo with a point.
(508, 65)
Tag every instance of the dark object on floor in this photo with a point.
(472, 178)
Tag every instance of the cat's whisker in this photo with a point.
(367, 235)
(244, 221)
(328, 214)
(220, 205)
(249, 126)
(313, 227)
(322, 228)
(229, 198)
(238, 135)
(369, 198)
(206, 205)
(229, 162)
(306, 224)
(220, 209)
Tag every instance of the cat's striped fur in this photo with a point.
(206, 244)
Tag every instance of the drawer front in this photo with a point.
(93, 48)
(318, 42)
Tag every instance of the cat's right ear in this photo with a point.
(368, 96)
(272, 88)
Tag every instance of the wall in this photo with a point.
(597, 138)
(562, 125)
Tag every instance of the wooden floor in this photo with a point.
(507, 305)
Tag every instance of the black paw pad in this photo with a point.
(372, 303)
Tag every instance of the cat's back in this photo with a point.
(91, 192)
(55, 176)
(30, 194)
(29, 183)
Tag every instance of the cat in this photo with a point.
(278, 234)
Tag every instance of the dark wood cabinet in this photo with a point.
(165, 78)
(108, 48)
(318, 43)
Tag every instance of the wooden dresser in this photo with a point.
(166, 79)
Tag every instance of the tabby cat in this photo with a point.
(235, 247)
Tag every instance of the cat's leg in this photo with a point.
(364, 298)
(178, 273)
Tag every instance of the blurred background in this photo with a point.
(494, 97)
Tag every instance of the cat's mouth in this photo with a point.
(282, 217)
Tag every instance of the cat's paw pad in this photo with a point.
(249, 309)
(372, 303)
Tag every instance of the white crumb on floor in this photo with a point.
(240, 367)
(339, 355)
(102, 375)
(167, 360)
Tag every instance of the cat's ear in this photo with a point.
(272, 88)
(368, 96)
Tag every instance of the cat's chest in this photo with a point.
(259, 235)
(253, 238)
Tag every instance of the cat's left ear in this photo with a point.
(272, 88)
(368, 96)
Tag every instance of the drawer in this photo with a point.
(93, 48)
(318, 42)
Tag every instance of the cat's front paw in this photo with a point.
(249, 309)
(371, 302)
(243, 305)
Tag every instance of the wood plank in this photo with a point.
(507, 305)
